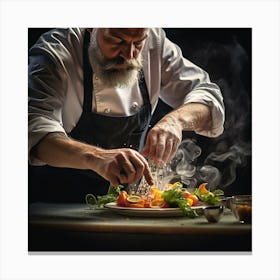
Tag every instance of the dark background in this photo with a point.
(225, 53)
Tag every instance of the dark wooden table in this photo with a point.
(74, 227)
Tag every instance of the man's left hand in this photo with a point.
(163, 141)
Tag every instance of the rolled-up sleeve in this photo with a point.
(184, 82)
(46, 88)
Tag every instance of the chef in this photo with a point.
(92, 93)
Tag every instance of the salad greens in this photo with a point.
(174, 197)
(210, 198)
(99, 201)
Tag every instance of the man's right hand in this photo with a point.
(119, 166)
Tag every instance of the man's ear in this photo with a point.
(89, 30)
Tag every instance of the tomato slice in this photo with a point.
(186, 194)
(122, 198)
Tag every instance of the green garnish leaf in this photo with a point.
(210, 198)
(218, 192)
(101, 200)
(91, 200)
(174, 197)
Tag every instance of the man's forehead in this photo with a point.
(131, 32)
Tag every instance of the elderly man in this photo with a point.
(92, 93)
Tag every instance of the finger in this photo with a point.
(112, 175)
(174, 150)
(136, 174)
(168, 151)
(126, 168)
(147, 172)
(160, 147)
(146, 148)
(148, 175)
(114, 181)
(151, 142)
(139, 165)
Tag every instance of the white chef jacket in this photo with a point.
(56, 89)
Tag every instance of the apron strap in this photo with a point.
(144, 90)
(87, 105)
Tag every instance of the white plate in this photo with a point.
(146, 212)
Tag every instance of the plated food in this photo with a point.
(144, 212)
(175, 196)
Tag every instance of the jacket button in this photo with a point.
(135, 105)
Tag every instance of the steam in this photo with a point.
(218, 169)
(217, 162)
(189, 172)
(188, 153)
(229, 162)
(210, 174)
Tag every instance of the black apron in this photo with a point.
(53, 184)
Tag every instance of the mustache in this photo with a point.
(115, 63)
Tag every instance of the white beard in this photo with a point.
(107, 69)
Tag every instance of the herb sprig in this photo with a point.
(98, 202)
(210, 198)
(174, 197)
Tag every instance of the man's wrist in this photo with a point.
(91, 158)
(190, 117)
(173, 119)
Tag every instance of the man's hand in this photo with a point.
(163, 141)
(165, 137)
(119, 166)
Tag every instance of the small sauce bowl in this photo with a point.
(241, 206)
(213, 213)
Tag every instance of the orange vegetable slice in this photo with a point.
(194, 198)
(155, 193)
(190, 201)
(202, 188)
(140, 204)
(158, 203)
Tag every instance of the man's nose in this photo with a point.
(128, 52)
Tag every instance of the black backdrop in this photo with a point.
(225, 53)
